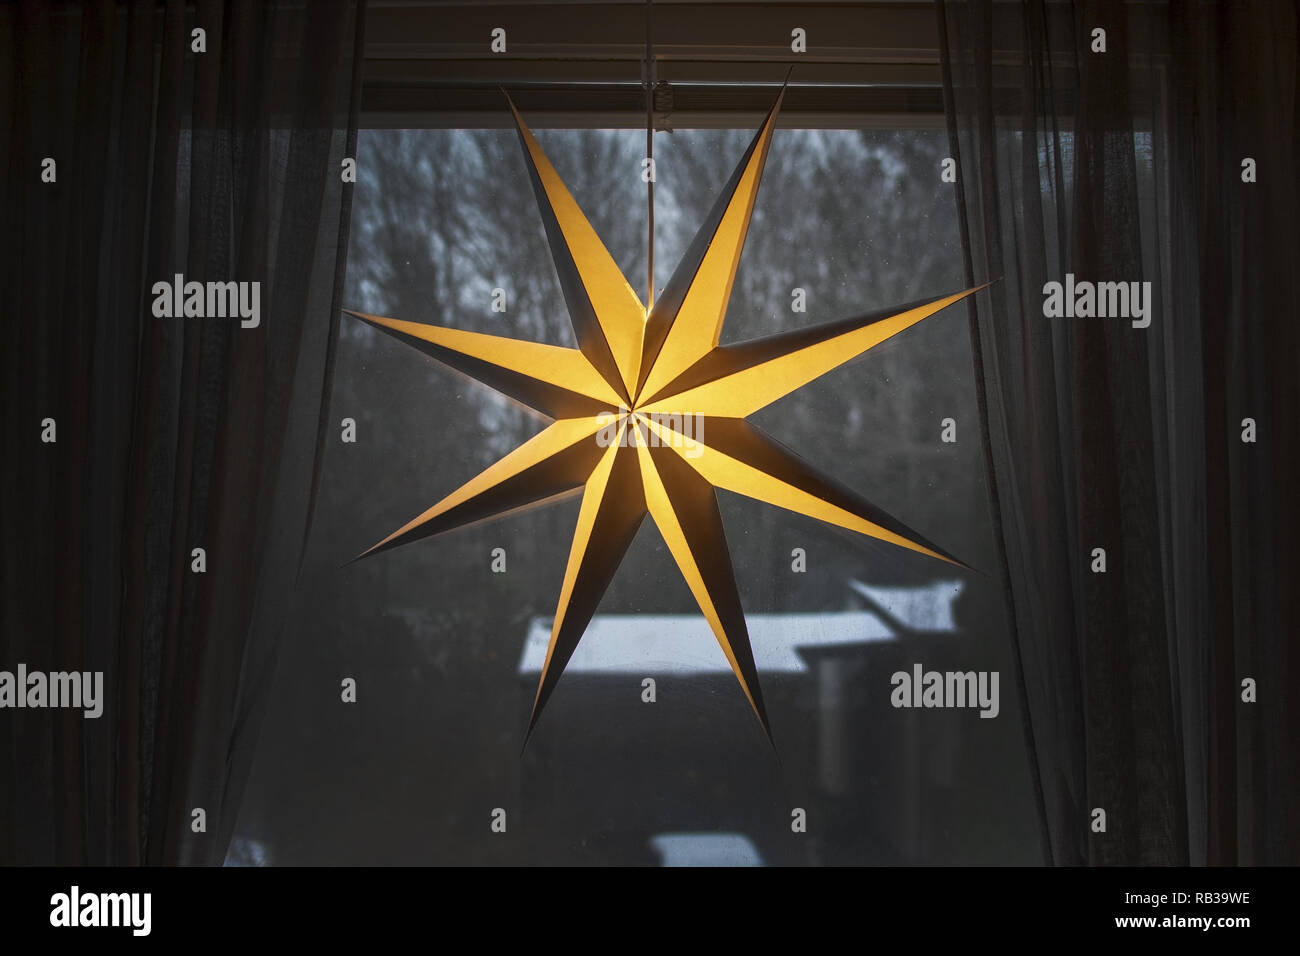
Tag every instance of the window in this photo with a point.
(850, 218)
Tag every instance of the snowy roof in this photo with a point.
(684, 644)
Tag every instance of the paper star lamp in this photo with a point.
(648, 416)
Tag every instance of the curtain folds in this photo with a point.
(202, 140)
(1121, 157)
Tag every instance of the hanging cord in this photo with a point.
(649, 78)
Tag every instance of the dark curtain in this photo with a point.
(171, 433)
(1126, 164)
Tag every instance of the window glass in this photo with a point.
(445, 651)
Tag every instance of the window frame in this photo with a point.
(582, 64)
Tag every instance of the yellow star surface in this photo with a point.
(648, 415)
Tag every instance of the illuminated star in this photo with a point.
(627, 407)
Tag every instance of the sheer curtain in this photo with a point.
(202, 139)
(1120, 156)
